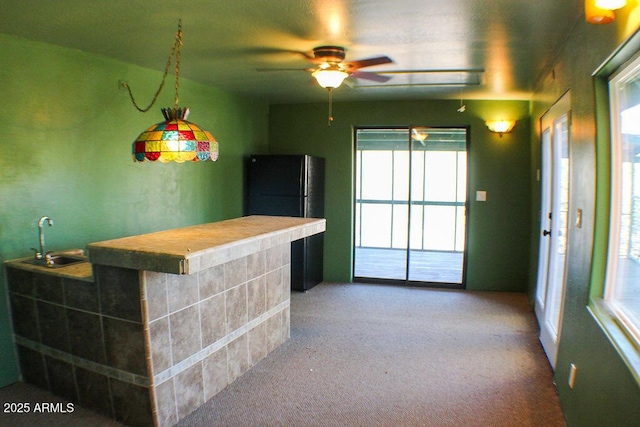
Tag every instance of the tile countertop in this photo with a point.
(191, 249)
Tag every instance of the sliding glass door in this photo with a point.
(382, 195)
(410, 207)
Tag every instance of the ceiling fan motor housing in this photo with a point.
(330, 54)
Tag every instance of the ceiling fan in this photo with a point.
(331, 68)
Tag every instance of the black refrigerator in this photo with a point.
(291, 185)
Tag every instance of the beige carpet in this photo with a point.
(374, 355)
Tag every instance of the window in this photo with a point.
(615, 274)
(622, 286)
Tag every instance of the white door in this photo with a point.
(554, 212)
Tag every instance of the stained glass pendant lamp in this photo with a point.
(175, 139)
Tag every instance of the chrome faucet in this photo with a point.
(40, 254)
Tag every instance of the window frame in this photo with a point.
(622, 62)
(628, 71)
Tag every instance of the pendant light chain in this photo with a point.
(176, 47)
(175, 51)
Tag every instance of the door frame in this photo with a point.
(406, 281)
(549, 220)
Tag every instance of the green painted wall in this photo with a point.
(65, 148)
(605, 391)
(65, 152)
(498, 243)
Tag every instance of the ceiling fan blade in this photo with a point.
(370, 62)
(281, 69)
(444, 71)
(451, 77)
(370, 76)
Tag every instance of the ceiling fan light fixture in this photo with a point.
(611, 4)
(330, 78)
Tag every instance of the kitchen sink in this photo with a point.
(56, 261)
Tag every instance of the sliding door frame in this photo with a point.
(466, 204)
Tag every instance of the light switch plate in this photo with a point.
(579, 218)
(573, 370)
(481, 196)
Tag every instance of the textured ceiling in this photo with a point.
(227, 41)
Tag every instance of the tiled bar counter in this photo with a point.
(157, 324)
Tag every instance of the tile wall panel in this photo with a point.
(239, 318)
(155, 291)
(182, 291)
(21, 282)
(274, 286)
(119, 290)
(211, 281)
(32, 367)
(236, 307)
(25, 317)
(257, 342)
(256, 265)
(256, 297)
(131, 403)
(235, 272)
(93, 391)
(61, 378)
(274, 332)
(81, 295)
(165, 404)
(69, 346)
(48, 288)
(85, 335)
(160, 339)
(52, 320)
(202, 331)
(215, 373)
(189, 386)
(124, 345)
(212, 311)
(238, 356)
(185, 333)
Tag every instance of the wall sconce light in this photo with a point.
(596, 14)
(175, 139)
(501, 126)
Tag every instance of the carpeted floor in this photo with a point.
(375, 355)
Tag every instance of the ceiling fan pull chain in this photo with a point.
(330, 107)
